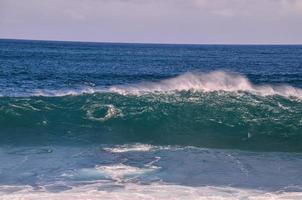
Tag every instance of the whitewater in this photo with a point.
(195, 82)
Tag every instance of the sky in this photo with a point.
(154, 21)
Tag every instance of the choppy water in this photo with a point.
(135, 121)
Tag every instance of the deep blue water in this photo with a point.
(72, 112)
(28, 65)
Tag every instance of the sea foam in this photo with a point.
(133, 191)
(189, 81)
(208, 82)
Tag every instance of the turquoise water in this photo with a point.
(127, 115)
(213, 120)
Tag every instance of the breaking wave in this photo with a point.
(194, 82)
(209, 82)
(213, 110)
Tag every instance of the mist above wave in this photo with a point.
(214, 81)
(208, 82)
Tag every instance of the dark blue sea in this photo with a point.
(150, 121)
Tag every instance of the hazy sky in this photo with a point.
(160, 21)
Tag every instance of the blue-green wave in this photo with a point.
(205, 119)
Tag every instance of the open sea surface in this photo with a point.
(150, 121)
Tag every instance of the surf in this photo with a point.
(215, 119)
(215, 81)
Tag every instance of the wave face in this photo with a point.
(213, 110)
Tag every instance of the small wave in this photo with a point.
(66, 92)
(208, 82)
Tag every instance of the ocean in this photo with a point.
(150, 121)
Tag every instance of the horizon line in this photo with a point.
(152, 43)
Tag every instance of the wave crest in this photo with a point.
(196, 82)
(208, 82)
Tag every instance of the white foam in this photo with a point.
(128, 148)
(116, 173)
(208, 82)
(66, 92)
(132, 191)
(111, 112)
(120, 171)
